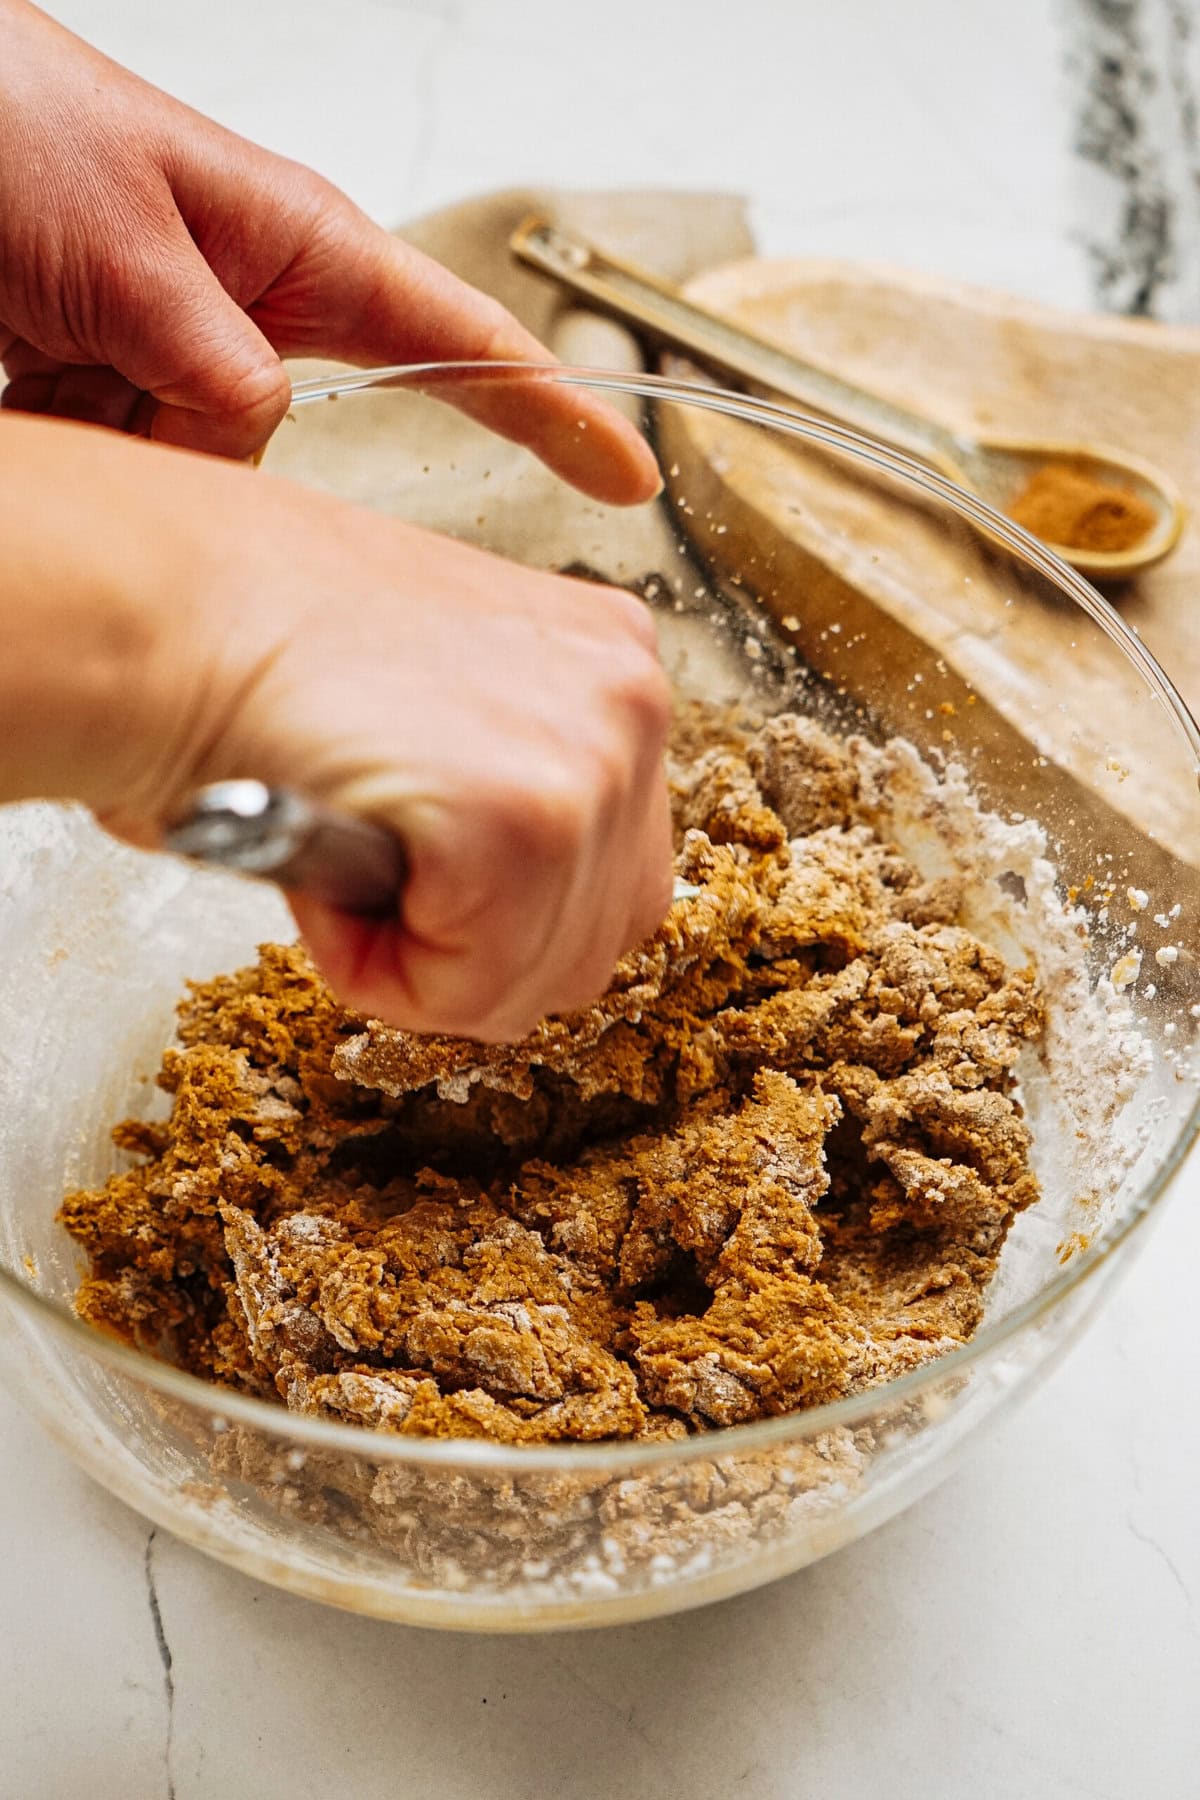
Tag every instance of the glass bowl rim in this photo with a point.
(614, 1455)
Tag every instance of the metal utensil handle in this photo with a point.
(280, 835)
(661, 313)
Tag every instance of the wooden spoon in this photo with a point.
(997, 469)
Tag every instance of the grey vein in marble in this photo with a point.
(1134, 76)
(165, 1657)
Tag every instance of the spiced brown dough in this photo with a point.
(774, 1164)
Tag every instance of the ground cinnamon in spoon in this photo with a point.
(1061, 505)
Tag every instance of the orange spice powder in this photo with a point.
(1062, 505)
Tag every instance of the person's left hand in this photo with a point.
(154, 268)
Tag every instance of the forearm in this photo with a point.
(90, 551)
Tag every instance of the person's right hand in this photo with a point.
(507, 724)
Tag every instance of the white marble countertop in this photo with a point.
(1031, 1630)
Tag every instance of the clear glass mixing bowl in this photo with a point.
(789, 563)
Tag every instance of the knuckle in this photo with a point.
(633, 613)
(608, 773)
(508, 1028)
(303, 188)
(653, 908)
(453, 1019)
(588, 981)
(659, 895)
(461, 1002)
(548, 818)
(359, 994)
(258, 388)
(642, 689)
(497, 332)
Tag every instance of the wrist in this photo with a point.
(95, 682)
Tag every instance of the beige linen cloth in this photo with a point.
(674, 234)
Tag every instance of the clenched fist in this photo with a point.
(169, 619)
(172, 619)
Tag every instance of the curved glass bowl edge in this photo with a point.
(854, 1409)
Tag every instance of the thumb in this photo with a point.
(218, 384)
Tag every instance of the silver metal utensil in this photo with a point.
(278, 834)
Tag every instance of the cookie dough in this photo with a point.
(773, 1165)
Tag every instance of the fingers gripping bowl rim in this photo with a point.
(1014, 1343)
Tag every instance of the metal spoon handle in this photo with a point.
(281, 836)
(277, 833)
(659, 312)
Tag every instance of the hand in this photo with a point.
(155, 267)
(507, 724)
